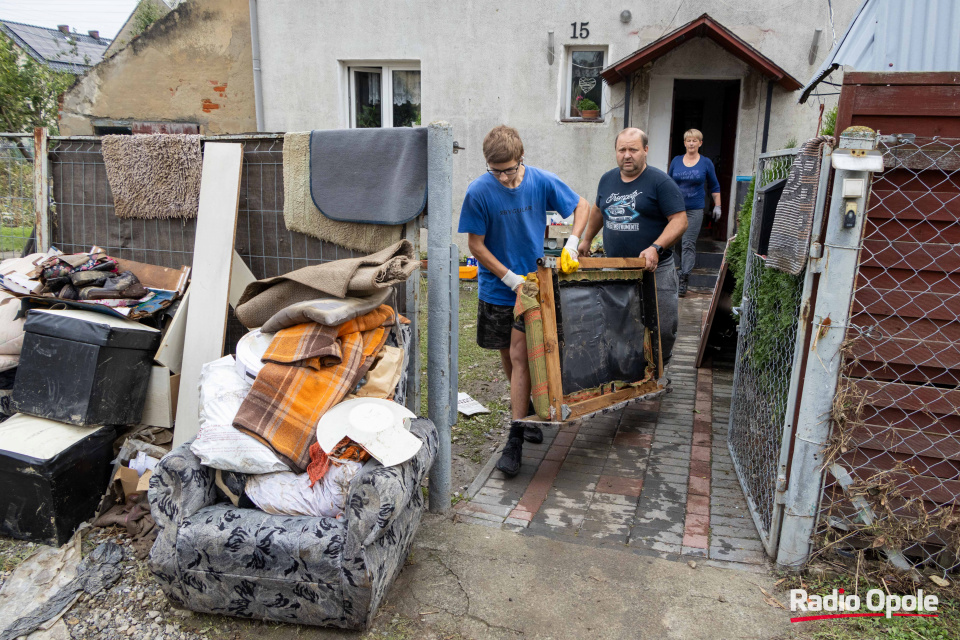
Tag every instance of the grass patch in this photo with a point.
(13, 238)
(13, 552)
(480, 375)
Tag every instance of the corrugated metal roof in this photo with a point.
(897, 35)
(74, 53)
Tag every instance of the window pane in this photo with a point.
(406, 98)
(585, 79)
(367, 99)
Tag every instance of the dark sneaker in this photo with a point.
(509, 462)
(682, 289)
(533, 434)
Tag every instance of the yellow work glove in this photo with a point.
(569, 258)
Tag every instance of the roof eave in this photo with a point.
(702, 27)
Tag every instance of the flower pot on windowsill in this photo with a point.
(589, 114)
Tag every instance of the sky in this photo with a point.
(105, 16)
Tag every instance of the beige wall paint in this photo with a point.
(486, 63)
(193, 65)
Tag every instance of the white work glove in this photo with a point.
(512, 280)
(569, 257)
(716, 213)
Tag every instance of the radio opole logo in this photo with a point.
(877, 604)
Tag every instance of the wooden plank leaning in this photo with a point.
(206, 321)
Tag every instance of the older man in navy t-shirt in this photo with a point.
(504, 215)
(642, 213)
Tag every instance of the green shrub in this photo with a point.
(829, 125)
(146, 13)
(737, 253)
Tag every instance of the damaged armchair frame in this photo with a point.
(593, 338)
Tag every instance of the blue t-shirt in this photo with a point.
(513, 222)
(691, 180)
(635, 213)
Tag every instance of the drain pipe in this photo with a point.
(766, 117)
(255, 45)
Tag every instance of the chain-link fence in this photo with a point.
(16, 193)
(764, 362)
(893, 464)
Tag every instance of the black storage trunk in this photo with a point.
(52, 477)
(84, 368)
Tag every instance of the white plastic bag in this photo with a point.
(218, 444)
(291, 494)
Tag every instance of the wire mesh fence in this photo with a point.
(893, 464)
(764, 362)
(82, 215)
(16, 193)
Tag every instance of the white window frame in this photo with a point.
(567, 99)
(386, 69)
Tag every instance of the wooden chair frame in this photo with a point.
(565, 408)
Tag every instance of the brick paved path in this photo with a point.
(655, 477)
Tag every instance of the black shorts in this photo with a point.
(494, 325)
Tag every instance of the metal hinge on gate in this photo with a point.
(781, 497)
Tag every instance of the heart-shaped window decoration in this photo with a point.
(587, 84)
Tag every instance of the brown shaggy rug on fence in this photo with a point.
(154, 175)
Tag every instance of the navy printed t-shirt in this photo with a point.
(513, 222)
(635, 213)
(691, 180)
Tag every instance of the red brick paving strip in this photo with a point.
(620, 485)
(543, 479)
(697, 524)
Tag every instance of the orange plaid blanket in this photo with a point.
(308, 369)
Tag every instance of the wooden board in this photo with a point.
(157, 410)
(170, 353)
(206, 323)
(613, 263)
(240, 277)
(714, 301)
(592, 405)
(150, 275)
(551, 346)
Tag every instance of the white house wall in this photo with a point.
(485, 63)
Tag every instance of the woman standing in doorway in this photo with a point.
(691, 172)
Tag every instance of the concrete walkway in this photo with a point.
(655, 477)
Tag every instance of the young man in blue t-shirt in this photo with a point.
(642, 213)
(504, 215)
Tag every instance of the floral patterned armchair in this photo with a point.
(216, 558)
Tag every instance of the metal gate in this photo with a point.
(770, 336)
(893, 459)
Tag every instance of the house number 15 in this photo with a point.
(584, 33)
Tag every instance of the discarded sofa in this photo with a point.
(216, 558)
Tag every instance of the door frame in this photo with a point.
(660, 119)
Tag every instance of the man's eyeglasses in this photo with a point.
(512, 171)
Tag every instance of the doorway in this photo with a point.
(713, 107)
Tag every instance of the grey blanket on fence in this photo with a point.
(301, 215)
(375, 176)
(154, 175)
(793, 221)
(355, 277)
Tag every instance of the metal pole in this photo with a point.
(442, 325)
(626, 101)
(41, 189)
(803, 325)
(255, 46)
(837, 269)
